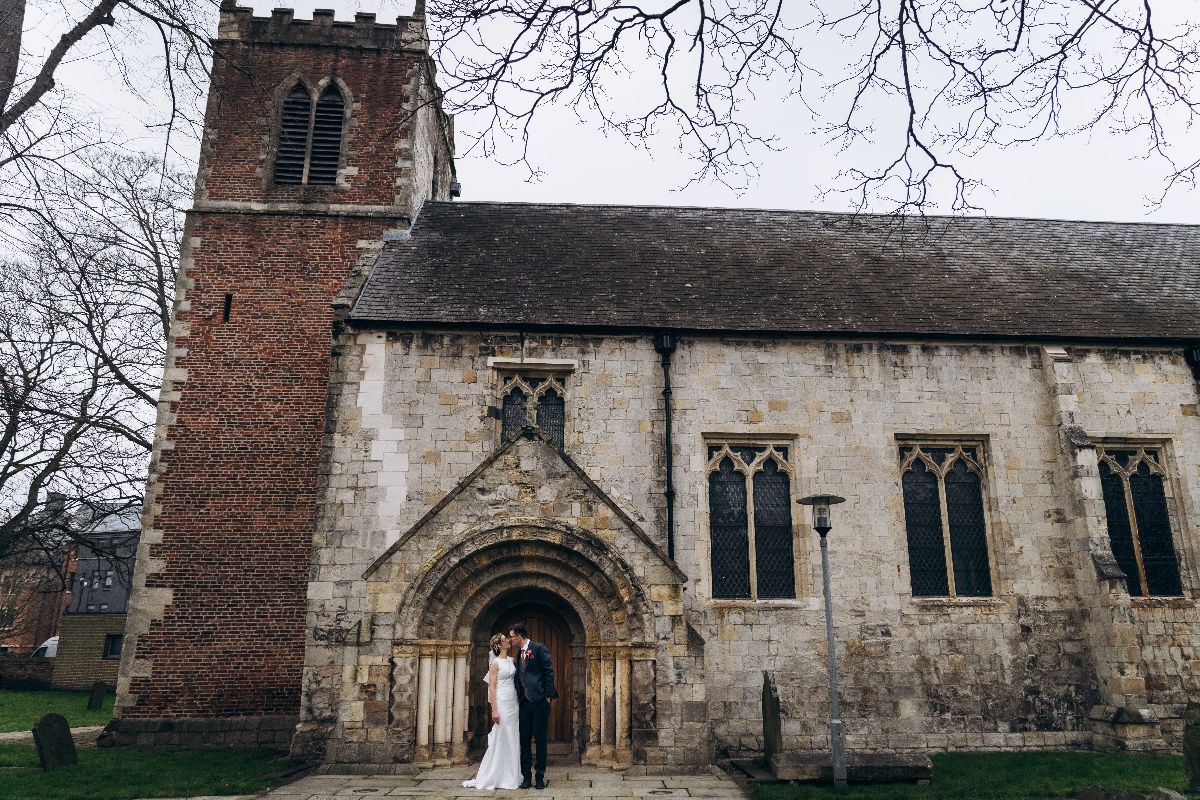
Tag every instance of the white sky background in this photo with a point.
(1095, 177)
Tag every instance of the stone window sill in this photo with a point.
(799, 602)
(958, 602)
(1147, 603)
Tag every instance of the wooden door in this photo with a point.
(547, 628)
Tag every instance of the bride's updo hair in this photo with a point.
(495, 642)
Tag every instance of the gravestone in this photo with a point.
(772, 727)
(1191, 745)
(96, 699)
(55, 747)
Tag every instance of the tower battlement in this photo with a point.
(238, 23)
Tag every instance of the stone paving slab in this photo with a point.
(567, 783)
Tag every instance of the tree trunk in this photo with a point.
(12, 20)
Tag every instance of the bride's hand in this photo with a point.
(496, 717)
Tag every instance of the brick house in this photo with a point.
(392, 424)
(92, 629)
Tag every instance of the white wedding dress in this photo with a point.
(501, 765)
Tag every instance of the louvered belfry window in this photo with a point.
(537, 400)
(945, 520)
(1139, 521)
(750, 522)
(310, 137)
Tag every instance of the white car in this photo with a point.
(49, 648)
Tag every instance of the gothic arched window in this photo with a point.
(1139, 520)
(945, 521)
(310, 137)
(533, 400)
(750, 522)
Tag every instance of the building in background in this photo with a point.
(92, 629)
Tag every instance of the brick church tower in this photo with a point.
(320, 136)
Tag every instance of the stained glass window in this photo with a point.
(945, 521)
(1139, 520)
(750, 518)
(551, 409)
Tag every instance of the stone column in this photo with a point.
(1121, 720)
(622, 697)
(424, 751)
(592, 705)
(608, 705)
(443, 711)
(458, 741)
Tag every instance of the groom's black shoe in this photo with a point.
(526, 784)
(541, 783)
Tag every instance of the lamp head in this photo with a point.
(821, 504)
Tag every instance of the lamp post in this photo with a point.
(821, 524)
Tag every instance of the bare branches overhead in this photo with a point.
(906, 90)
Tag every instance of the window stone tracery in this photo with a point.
(538, 400)
(945, 520)
(1133, 481)
(751, 536)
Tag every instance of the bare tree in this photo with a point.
(157, 48)
(83, 325)
(908, 90)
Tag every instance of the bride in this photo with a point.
(501, 765)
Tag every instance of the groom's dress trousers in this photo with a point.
(535, 689)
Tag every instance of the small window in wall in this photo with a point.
(8, 615)
(539, 400)
(945, 520)
(309, 148)
(112, 646)
(1139, 519)
(751, 534)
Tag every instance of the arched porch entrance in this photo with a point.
(555, 624)
(579, 595)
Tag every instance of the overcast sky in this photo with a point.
(1098, 177)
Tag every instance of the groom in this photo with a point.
(535, 690)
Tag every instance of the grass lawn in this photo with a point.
(117, 773)
(1011, 776)
(19, 710)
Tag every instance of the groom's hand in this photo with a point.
(496, 717)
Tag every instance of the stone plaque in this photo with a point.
(96, 698)
(772, 727)
(55, 747)
(1191, 745)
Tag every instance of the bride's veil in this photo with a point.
(487, 675)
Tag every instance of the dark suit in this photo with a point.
(535, 690)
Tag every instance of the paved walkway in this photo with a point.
(562, 783)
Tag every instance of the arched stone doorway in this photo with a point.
(562, 576)
(554, 623)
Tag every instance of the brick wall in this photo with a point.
(23, 672)
(216, 616)
(80, 661)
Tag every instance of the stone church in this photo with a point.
(393, 423)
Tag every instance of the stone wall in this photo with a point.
(417, 411)
(80, 661)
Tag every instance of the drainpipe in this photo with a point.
(664, 344)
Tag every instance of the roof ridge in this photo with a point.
(916, 218)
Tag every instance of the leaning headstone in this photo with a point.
(772, 727)
(96, 699)
(1191, 745)
(55, 747)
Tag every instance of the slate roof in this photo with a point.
(725, 270)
